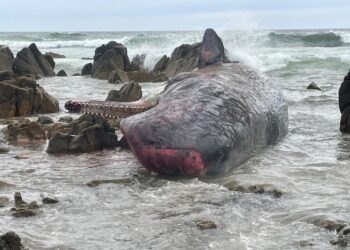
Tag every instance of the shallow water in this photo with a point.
(310, 165)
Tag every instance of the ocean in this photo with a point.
(310, 165)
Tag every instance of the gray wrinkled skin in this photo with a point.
(223, 111)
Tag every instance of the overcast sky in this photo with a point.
(117, 15)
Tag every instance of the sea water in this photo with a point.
(310, 165)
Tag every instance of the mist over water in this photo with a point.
(311, 165)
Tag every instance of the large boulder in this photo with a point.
(88, 133)
(25, 131)
(6, 59)
(161, 65)
(183, 59)
(138, 63)
(344, 104)
(118, 76)
(86, 70)
(128, 93)
(10, 241)
(22, 96)
(108, 58)
(31, 61)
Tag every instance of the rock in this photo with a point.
(137, 63)
(305, 243)
(19, 202)
(25, 132)
(256, 189)
(4, 150)
(31, 61)
(87, 58)
(123, 143)
(212, 49)
(313, 86)
(50, 60)
(6, 75)
(10, 241)
(118, 76)
(96, 183)
(108, 58)
(328, 224)
(128, 93)
(55, 55)
(141, 76)
(62, 73)
(183, 59)
(22, 96)
(76, 74)
(161, 65)
(44, 120)
(4, 184)
(6, 59)
(23, 212)
(4, 201)
(66, 119)
(48, 200)
(344, 104)
(205, 224)
(86, 70)
(87, 133)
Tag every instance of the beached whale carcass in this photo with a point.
(208, 120)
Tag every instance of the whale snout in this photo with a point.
(188, 162)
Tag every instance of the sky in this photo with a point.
(140, 15)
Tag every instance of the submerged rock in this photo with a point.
(205, 224)
(62, 73)
(10, 241)
(87, 133)
(313, 86)
(55, 55)
(108, 58)
(4, 184)
(128, 93)
(4, 150)
(44, 120)
(48, 200)
(256, 189)
(331, 225)
(4, 201)
(96, 183)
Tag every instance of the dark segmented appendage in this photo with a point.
(108, 109)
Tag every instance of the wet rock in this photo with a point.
(331, 225)
(183, 59)
(6, 59)
(256, 189)
(22, 96)
(96, 183)
(4, 150)
(4, 184)
(4, 201)
(62, 73)
(86, 70)
(87, 133)
(50, 60)
(10, 241)
(31, 61)
(48, 200)
(76, 74)
(87, 58)
(55, 55)
(343, 238)
(128, 93)
(141, 76)
(22, 212)
(212, 49)
(44, 120)
(118, 76)
(205, 224)
(108, 58)
(123, 143)
(6, 75)
(313, 86)
(137, 63)
(19, 202)
(24, 132)
(66, 119)
(22, 208)
(161, 65)
(305, 243)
